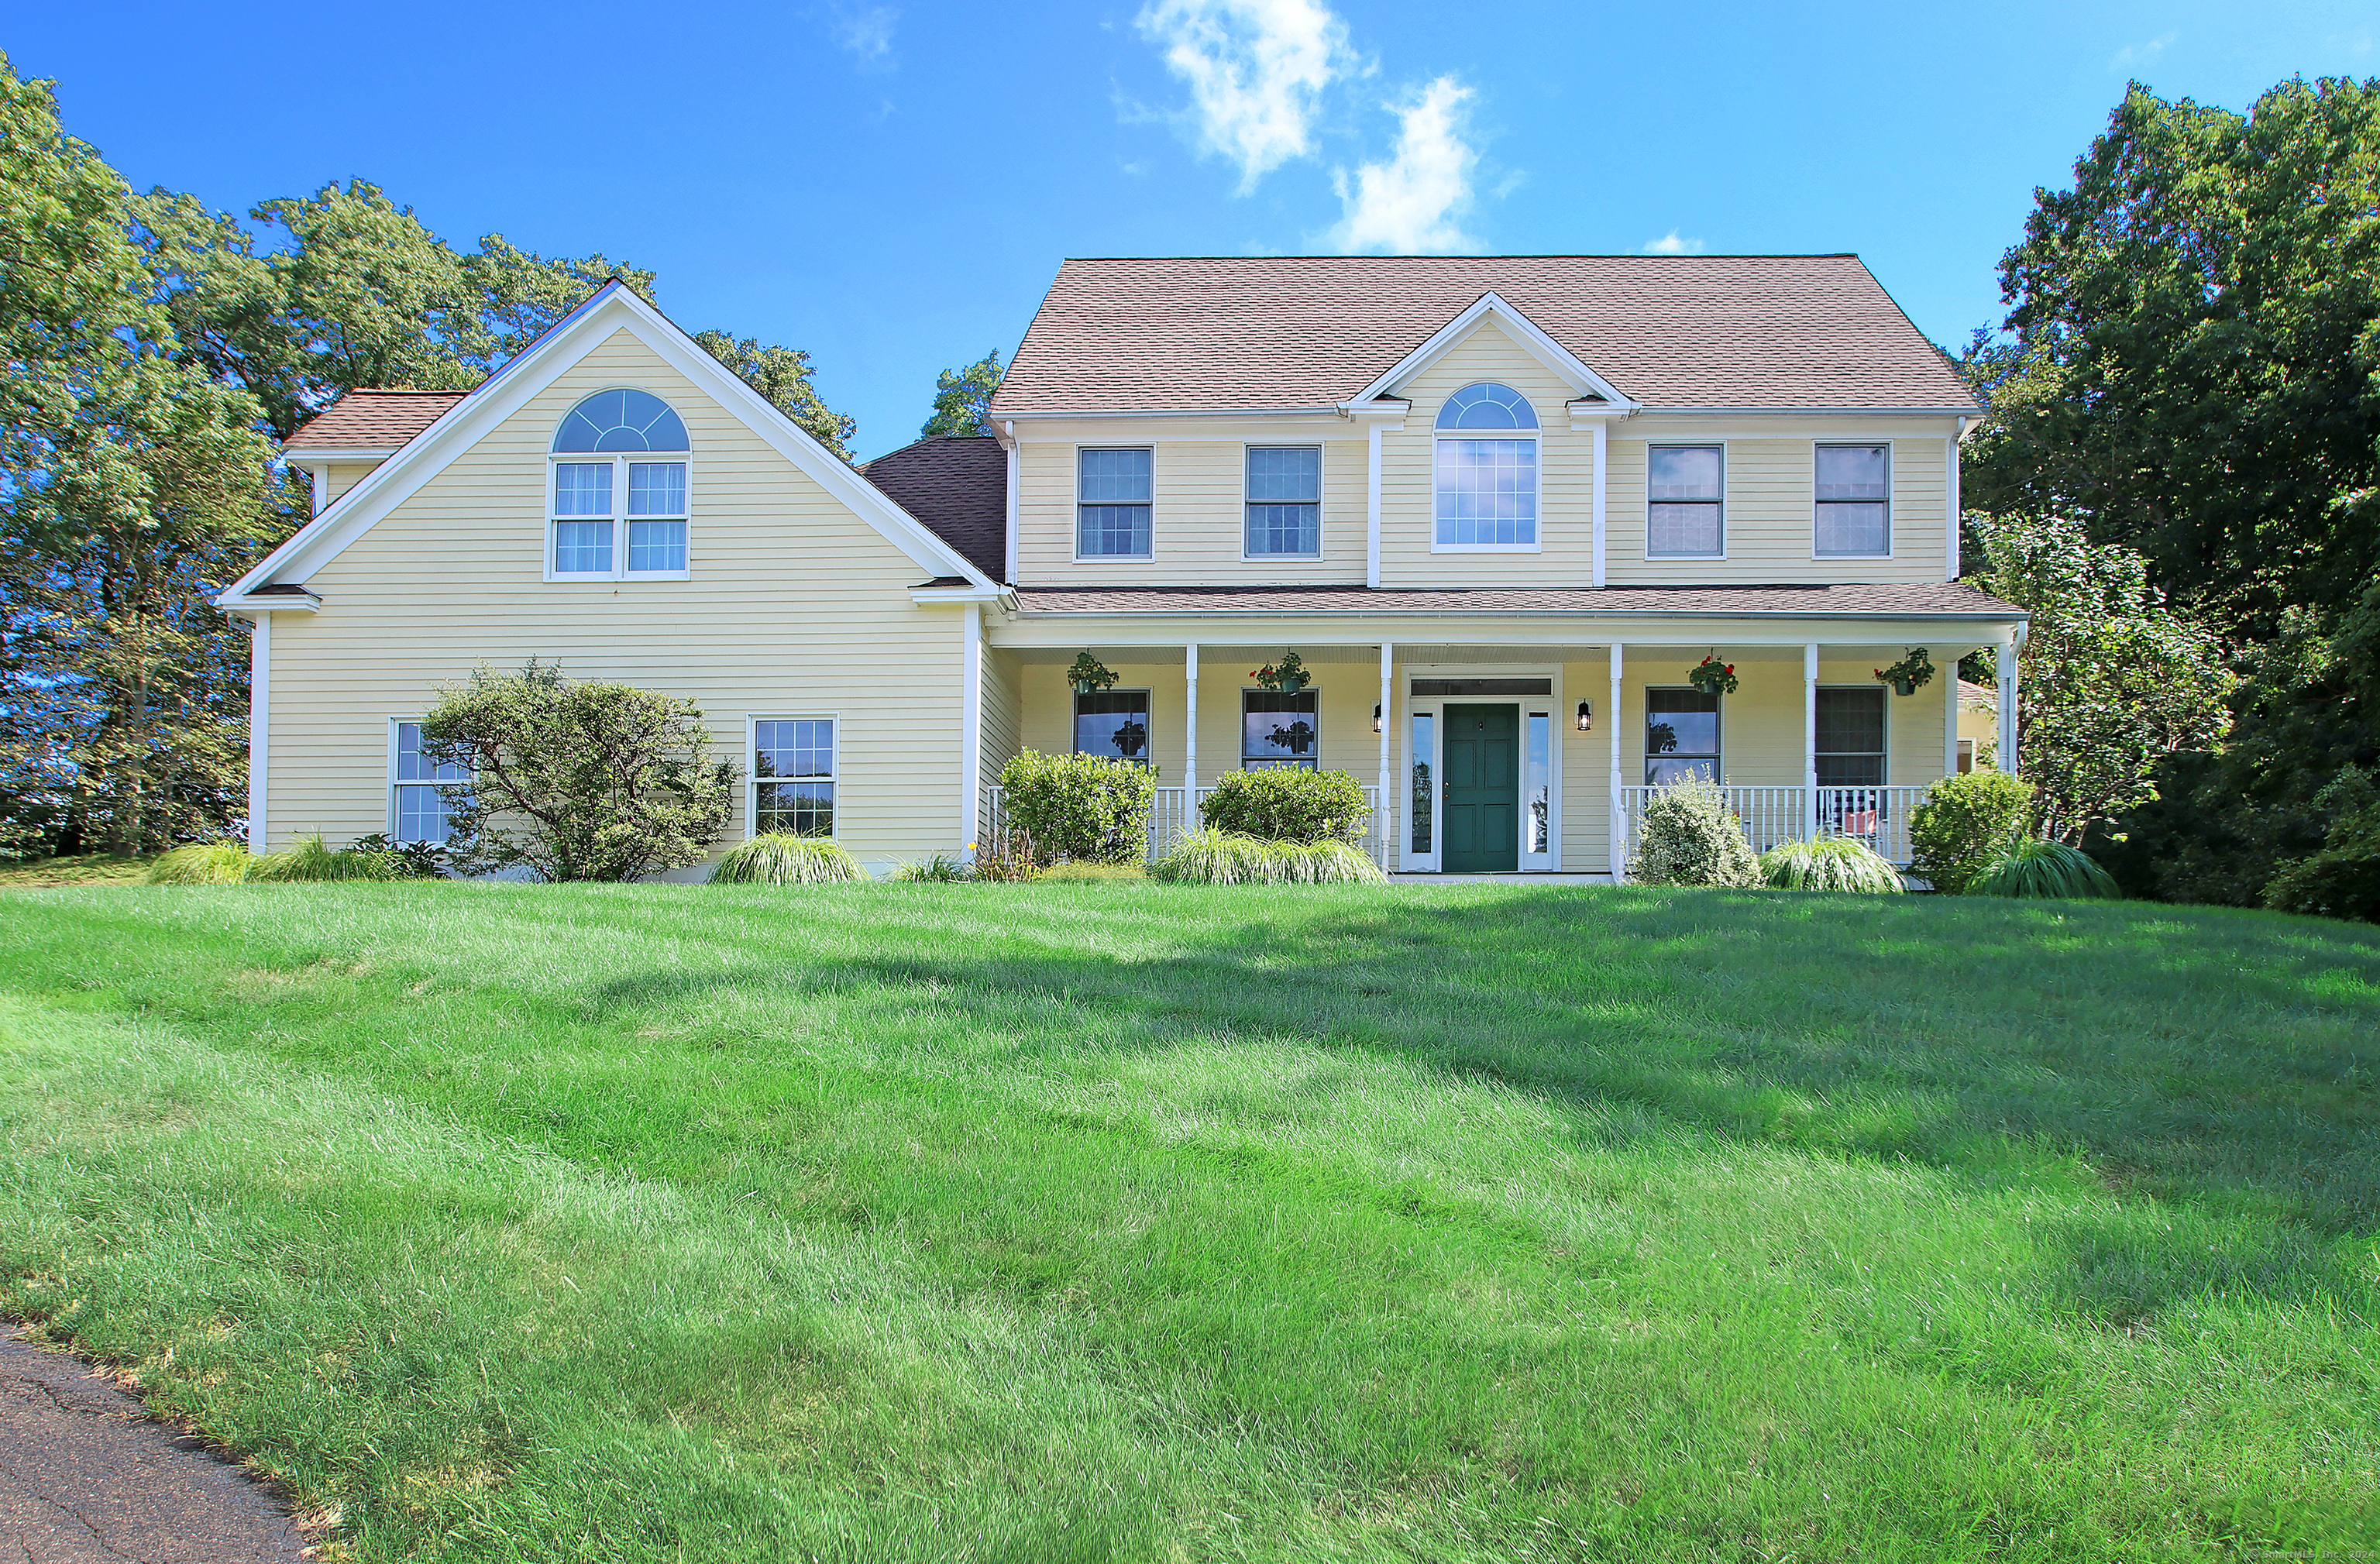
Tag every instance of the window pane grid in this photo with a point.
(1855, 508)
(801, 748)
(1680, 736)
(582, 547)
(1851, 737)
(1683, 491)
(1488, 492)
(1278, 729)
(421, 810)
(656, 488)
(582, 489)
(657, 545)
(1284, 529)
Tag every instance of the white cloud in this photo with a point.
(2132, 55)
(1669, 244)
(1409, 205)
(1255, 70)
(866, 32)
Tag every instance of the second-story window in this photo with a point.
(1284, 501)
(619, 507)
(1854, 511)
(1684, 494)
(1112, 505)
(1486, 470)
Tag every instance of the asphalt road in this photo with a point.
(87, 1478)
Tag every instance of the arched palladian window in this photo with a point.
(619, 489)
(1486, 470)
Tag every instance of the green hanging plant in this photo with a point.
(1910, 674)
(1711, 676)
(1288, 675)
(1089, 675)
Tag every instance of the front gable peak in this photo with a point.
(1575, 372)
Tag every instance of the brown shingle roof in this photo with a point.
(373, 419)
(1901, 597)
(1215, 334)
(957, 485)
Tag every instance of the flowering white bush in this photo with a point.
(1691, 837)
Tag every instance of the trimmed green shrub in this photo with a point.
(208, 863)
(781, 859)
(1222, 857)
(2044, 870)
(305, 860)
(1092, 809)
(1282, 803)
(2343, 880)
(1829, 863)
(1692, 837)
(941, 867)
(1966, 823)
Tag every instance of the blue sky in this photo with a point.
(890, 184)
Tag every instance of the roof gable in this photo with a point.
(372, 419)
(1256, 333)
(1557, 358)
(479, 413)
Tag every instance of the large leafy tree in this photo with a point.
(963, 398)
(783, 375)
(131, 482)
(2190, 364)
(2115, 680)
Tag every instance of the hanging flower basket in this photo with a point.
(1089, 675)
(1711, 676)
(1910, 674)
(1288, 675)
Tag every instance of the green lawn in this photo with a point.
(1133, 1221)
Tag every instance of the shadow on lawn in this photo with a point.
(2198, 1057)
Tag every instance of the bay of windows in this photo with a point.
(617, 511)
(1486, 470)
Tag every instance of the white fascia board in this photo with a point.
(544, 361)
(929, 597)
(1560, 360)
(306, 455)
(1320, 410)
(1815, 412)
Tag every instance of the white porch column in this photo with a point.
(1619, 848)
(1190, 732)
(259, 727)
(1810, 741)
(2007, 648)
(971, 730)
(1384, 821)
(1950, 717)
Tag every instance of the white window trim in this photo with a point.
(1885, 691)
(1073, 715)
(1891, 477)
(752, 778)
(1644, 721)
(1434, 707)
(1074, 510)
(1726, 476)
(1536, 436)
(392, 783)
(620, 518)
(1321, 450)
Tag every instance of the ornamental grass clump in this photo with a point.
(783, 859)
(1829, 863)
(206, 863)
(308, 861)
(2044, 870)
(1224, 857)
(1692, 837)
(941, 867)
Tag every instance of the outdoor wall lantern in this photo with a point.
(1587, 716)
(1375, 716)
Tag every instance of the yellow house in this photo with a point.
(1498, 507)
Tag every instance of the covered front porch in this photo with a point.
(1510, 756)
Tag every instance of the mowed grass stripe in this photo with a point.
(1335, 1224)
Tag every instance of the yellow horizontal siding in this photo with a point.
(1197, 519)
(796, 605)
(1770, 511)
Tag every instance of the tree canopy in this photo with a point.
(963, 398)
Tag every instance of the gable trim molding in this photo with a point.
(1559, 360)
(505, 393)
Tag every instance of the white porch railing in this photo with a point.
(1878, 816)
(1172, 814)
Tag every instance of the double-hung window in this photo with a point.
(1284, 501)
(791, 786)
(1112, 722)
(1486, 470)
(1112, 504)
(1280, 730)
(619, 486)
(418, 809)
(1851, 735)
(1680, 736)
(1685, 488)
(1854, 505)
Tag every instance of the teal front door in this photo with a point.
(1481, 756)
